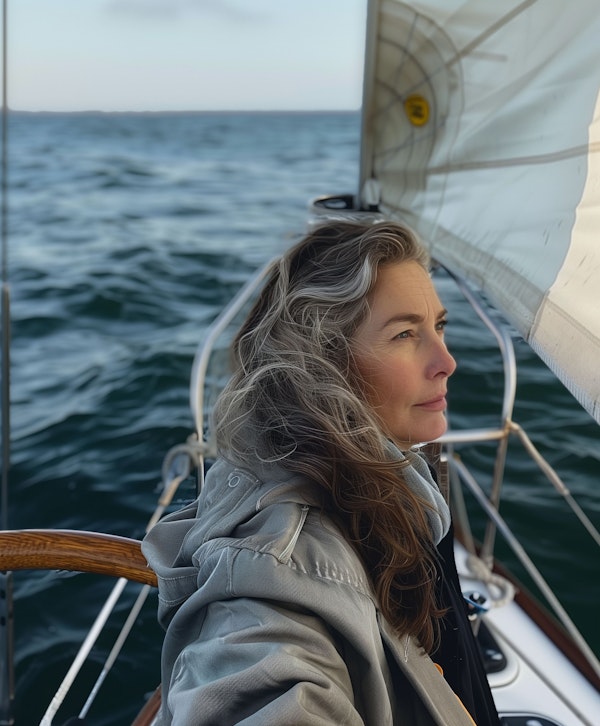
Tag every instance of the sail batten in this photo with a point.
(480, 129)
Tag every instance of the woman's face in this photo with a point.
(401, 355)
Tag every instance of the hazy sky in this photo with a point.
(118, 55)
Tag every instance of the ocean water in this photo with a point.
(128, 234)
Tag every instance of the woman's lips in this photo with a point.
(434, 404)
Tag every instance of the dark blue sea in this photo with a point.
(128, 234)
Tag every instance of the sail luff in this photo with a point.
(566, 331)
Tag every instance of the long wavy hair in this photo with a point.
(295, 397)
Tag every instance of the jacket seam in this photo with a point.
(318, 577)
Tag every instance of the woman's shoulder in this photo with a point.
(278, 521)
(260, 526)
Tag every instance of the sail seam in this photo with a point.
(500, 23)
(575, 151)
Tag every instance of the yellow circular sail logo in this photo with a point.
(417, 110)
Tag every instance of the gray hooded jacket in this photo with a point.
(271, 618)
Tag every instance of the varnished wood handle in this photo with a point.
(74, 550)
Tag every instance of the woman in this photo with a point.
(313, 581)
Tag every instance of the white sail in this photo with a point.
(481, 129)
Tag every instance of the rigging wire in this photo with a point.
(178, 465)
(5, 288)
(7, 686)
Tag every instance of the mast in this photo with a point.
(6, 584)
(366, 151)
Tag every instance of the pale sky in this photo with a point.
(154, 55)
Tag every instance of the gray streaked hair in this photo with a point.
(295, 397)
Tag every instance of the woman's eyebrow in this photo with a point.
(413, 318)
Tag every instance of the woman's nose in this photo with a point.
(442, 363)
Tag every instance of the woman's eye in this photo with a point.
(442, 324)
(403, 335)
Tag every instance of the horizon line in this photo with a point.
(184, 111)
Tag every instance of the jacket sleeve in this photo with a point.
(256, 662)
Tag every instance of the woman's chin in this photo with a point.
(421, 434)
